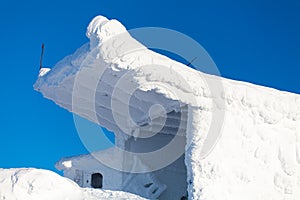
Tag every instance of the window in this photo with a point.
(97, 180)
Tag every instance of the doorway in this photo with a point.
(97, 180)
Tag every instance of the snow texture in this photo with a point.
(37, 184)
(258, 153)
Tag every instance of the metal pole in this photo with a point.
(42, 55)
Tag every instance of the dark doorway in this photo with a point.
(97, 180)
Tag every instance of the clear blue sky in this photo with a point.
(252, 40)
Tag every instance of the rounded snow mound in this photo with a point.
(100, 29)
(36, 184)
(39, 184)
(93, 194)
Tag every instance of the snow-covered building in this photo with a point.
(179, 132)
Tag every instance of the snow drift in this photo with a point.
(258, 153)
(37, 184)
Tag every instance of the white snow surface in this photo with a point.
(258, 153)
(38, 184)
(43, 71)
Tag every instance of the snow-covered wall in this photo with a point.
(257, 156)
(258, 153)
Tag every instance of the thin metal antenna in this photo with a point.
(191, 61)
(42, 55)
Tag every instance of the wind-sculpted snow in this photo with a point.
(257, 155)
(37, 184)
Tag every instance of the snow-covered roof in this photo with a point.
(258, 153)
(110, 90)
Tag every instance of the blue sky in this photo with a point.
(249, 40)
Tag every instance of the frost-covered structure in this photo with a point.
(167, 117)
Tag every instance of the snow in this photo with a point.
(101, 29)
(257, 155)
(43, 71)
(67, 164)
(37, 184)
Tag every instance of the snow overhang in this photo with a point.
(114, 77)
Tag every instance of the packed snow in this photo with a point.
(258, 153)
(38, 184)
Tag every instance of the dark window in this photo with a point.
(97, 180)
